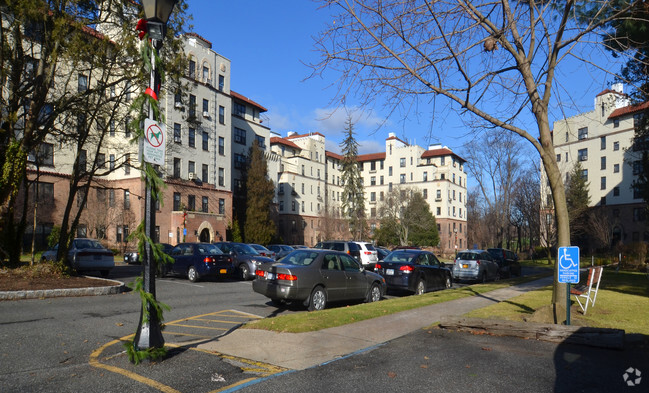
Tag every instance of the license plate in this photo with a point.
(465, 266)
(269, 276)
(389, 272)
(223, 271)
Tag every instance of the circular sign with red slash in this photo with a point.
(154, 135)
(153, 149)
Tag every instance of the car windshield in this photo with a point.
(87, 243)
(300, 258)
(468, 256)
(369, 246)
(245, 249)
(208, 249)
(495, 252)
(400, 257)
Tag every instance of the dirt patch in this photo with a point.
(44, 276)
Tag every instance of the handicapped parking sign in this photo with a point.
(568, 265)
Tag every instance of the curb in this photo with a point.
(118, 287)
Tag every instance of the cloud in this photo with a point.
(332, 122)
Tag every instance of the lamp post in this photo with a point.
(149, 333)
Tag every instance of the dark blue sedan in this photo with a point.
(416, 271)
(198, 260)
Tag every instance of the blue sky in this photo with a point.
(268, 41)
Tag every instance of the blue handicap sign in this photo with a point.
(185, 231)
(568, 265)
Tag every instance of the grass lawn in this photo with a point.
(622, 303)
(312, 321)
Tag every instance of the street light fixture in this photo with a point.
(149, 332)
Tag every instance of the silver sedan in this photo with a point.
(316, 277)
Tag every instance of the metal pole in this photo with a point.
(568, 304)
(149, 333)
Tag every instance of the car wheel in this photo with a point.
(420, 289)
(243, 271)
(375, 294)
(449, 283)
(317, 300)
(104, 273)
(192, 274)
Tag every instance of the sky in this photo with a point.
(269, 42)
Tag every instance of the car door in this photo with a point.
(492, 265)
(356, 281)
(182, 255)
(333, 277)
(439, 274)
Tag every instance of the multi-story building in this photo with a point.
(601, 141)
(309, 187)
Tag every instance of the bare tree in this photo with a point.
(526, 207)
(493, 59)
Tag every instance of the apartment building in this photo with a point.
(309, 187)
(601, 141)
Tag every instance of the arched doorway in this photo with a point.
(204, 237)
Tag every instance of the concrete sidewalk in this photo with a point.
(299, 351)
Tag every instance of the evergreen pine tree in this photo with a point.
(578, 200)
(353, 198)
(259, 227)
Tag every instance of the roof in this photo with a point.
(392, 137)
(283, 141)
(629, 110)
(333, 155)
(607, 91)
(247, 100)
(200, 38)
(304, 135)
(441, 152)
(371, 157)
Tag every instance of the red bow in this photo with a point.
(149, 91)
(140, 27)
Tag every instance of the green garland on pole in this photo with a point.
(150, 175)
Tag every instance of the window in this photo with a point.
(177, 135)
(178, 100)
(221, 177)
(373, 197)
(127, 89)
(616, 168)
(582, 154)
(239, 109)
(602, 185)
(206, 74)
(584, 174)
(293, 205)
(638, 214)
(438, 196)
(583, 133)
(83, 161)
(111, 197)
(127, 127)
(281, 206)
(127, 164)
(602, 143)
(127, 199)
(381, 196)
(602, 163)
(402, 162)
(112, 128)
(221, 145)
(425, 193)
(566, 136)
(402, 178)
(637, 120)
(558, 157)
(82, 83)
(239, 136)
(192, 137)
(191, 202)
(176, 167)
(205, 173)
(221, 206)
(46, 192)
(192, 69)
(373, 180)
(221, 114)
(191, 167)
(206, 140)
(101, 160)
(44, 155)
(221, 82)
(390, 171)
(191, 111)
(239, 161)
(176, 201)
(118, 234)
(616, 123)
(261, 141)
(373, 166)
(616, 146)
(637, 167)
(425, 176)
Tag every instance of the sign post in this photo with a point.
(568, 272)
(153, 149)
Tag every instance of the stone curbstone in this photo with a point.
(118, 287)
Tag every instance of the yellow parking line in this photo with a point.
(214, 320)
(185, 334)
(198, 327)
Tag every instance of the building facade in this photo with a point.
(601, 141)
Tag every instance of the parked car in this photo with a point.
(263, 251)
(296, 246)
(246, 259)
(348, 247)
(198, 260)
(281, 250)
(85, 255)
(382, 252)
(317, 277)
(416, 271)
(134, 256)
(507, 261)
(475, 265)
(368, 255)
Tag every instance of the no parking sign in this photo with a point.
(153, 149)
